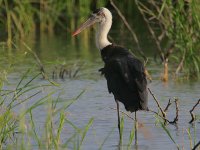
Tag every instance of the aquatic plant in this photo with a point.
(19, 130)
(18, 19)
(174, 26)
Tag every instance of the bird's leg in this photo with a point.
(136, 142)
(118, 117)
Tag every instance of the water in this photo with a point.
(62, 51)
(96, 102)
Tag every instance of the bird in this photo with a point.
(125, 74)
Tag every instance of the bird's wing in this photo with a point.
(137, 72)
(132, 71)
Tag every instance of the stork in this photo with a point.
(125, 74)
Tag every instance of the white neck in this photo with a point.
(102, 32)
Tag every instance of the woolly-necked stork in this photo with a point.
(125, 74)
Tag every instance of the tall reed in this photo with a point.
(176, 22)
(19, 130)
(19, 18)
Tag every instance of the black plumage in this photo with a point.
(125, 76)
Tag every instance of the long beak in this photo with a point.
(85, 25)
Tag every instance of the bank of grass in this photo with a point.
(175, 26)
(19, 18)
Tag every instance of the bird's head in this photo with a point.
(98, 16)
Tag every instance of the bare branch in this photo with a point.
(191, 111)
(181, 63)
(165, 119)
(196, 146)
(148, 76)
(151, 31)
(130, 29)
(163, 113)
(177, 110)
(168, 104)
(169, 50)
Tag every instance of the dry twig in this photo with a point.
(180, 64)
(168, 104)
(163, 113)
(177, 110)
(129, 28)
(165, 119)
(196, 146)
(161, 53)
(191, 111)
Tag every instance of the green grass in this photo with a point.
(190, 137)
(169, 134)
(131, 137)
(177, 26)
(18, 129)
(18, 19)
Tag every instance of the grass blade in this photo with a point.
(86, 130)
(169, 134)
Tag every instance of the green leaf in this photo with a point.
(86, 130)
